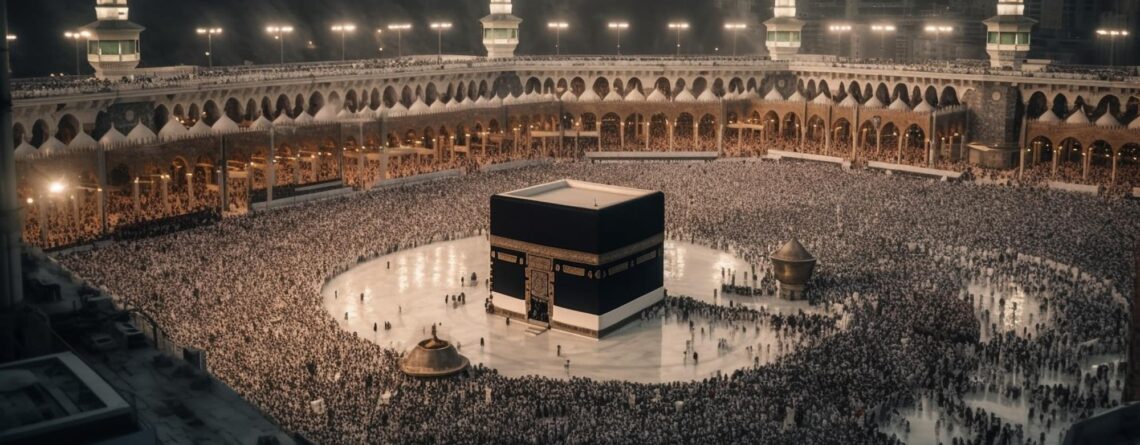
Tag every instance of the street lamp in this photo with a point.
(679, 26)
(73, 35)
(557, 27)
(938, 30)
(619, 26)
(209, 33)
(343, 29)
(439, 27)
(1112, 35)
(279, 32)
(840, 29)
(400, 28)
(735, 28)
(882, 31)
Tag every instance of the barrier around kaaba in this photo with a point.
(577, 256)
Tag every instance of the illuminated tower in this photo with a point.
(1007, 34)
(784, 30)
(500, 30)
(113, 48)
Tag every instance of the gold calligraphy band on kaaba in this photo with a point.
(575, 256)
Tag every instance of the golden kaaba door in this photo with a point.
(539, 289)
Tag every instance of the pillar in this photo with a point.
(671, 129)
(1021, 165)
(270, 168)
(164, 192)
(135, 196)
(898, 157)
(621, 136)
(11, 289)
(696, 135)
(190, 190)
(1115, 158)
(646, 135)
(41, 206)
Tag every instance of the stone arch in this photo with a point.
(548, 87)
(351, 102)
(193, 114)
(790, 126)
(484, 89)
(736, 85)
(601, 87)
(949, 97)
(683, 128)
(588, 122)
(678, 87)
(700, 84)
(389, 98)
(1061, 105)
(374, 101)
(41, 131)
(577, 86)
(662, 85)
(298, 105)
(431, 93)
(251, 110)
(634, 83)
(883, 94)
(19, 134)
(283, 106)
(69, 126)
(407, 96)
(179, 113)
(610, 129)
(718, 87)
(1070, 151)
(1037, 105)
(533, 85)
(900, 92)
(1108, 104)
(931, 95)
(1100, 155)
(267, 110)
(706, 129)
(316, 102)
(231, 109)
(825, 89)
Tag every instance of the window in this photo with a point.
(992, 37)
(772, 35)
(1022, 38)
(1007, 38)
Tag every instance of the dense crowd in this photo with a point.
(896, 256)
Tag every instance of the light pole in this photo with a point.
(619, 26)
(938, 30)
(400, 28)
(679, 26)
(557, 27)
(439, 27)
(380, 39)
(73, 35)
(1112, 35)
(343, 29)
(882, 31)
(209, 33)
(279, 32)
(735, 28)
(840, 29)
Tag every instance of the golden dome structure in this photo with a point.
(792, 265)
(433, 358)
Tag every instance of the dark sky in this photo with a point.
(170, 38)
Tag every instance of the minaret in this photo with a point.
(784, 31)
(1007, 34)
(113, 48)
(500, 30)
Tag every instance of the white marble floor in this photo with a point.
(408, 289)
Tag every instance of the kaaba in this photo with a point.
(577, 256)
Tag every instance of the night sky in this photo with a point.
(170, 37)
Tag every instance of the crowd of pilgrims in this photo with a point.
(896, 255)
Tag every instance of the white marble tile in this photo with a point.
(410, 295)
